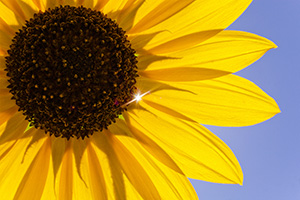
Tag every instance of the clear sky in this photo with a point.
(269, 153)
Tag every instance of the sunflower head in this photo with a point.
(70, 71)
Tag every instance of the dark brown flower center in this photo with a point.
(70, 71)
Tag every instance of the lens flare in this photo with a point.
(137, 97)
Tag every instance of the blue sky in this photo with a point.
(269, 153)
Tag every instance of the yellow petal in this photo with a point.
(71, 180)
(226, 101)
(2, 72)
(14, 164)
(7, 114)
(4, 91)
(183, 42)
(29, 7)
(137, 175)
(168, 183)
(2, 67)
(66, 176)
(52, 4)
(79, 147)
(15, 7)
(120, 128)
(8, 15)
(5, 96)
(113, 5)
(13, 13)
(126, 15)
(198, 152)
(100, 4)
(6, 102)
(79, 2)
(13, 129)
(39, 4)
(49, 189)
(198, 16)
(81, 173)
(162, 12)
(183, 74)
(33, 182)
(3, 80)
(69, 2)
(98, 187)
(58, 149)
(5, 41)
(113, 174)
(22, 9)
(93, 4)
(228, 51)
(6, 28)
(117, 184)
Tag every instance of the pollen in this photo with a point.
(67, 67)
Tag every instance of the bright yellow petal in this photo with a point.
(70, 180)
(7, 114)
(4, 92)
(89, 3)
(13, 128)
(113, 6)
(6, 102)
(98, 187)
(183, 42)
(79, 2)
(197, 151)
(69, 2)
(3, 78)
(226, 101)
(58, 150)
(121, 128)
(29, 7)
(49, 189)
(94, 4)
(5, 41)
(14, 165)
(66, 176)
(51, 4)
(169, 184)
(5, 96)
(12, 14)
(126, 15)
(162, 12)
(81, 176)
(183, 74)
(39, 4)
(2, 67)
(23, 9)
(100, 4)
(112, 171)
(197, 16)
(5, 28)
(137, 175)
(117, 184)
(5, 37)
(228, 51)
(8, 15)
(33, 182)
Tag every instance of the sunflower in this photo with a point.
(104, 99)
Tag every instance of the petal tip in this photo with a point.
(241, 180)
(273, 45)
